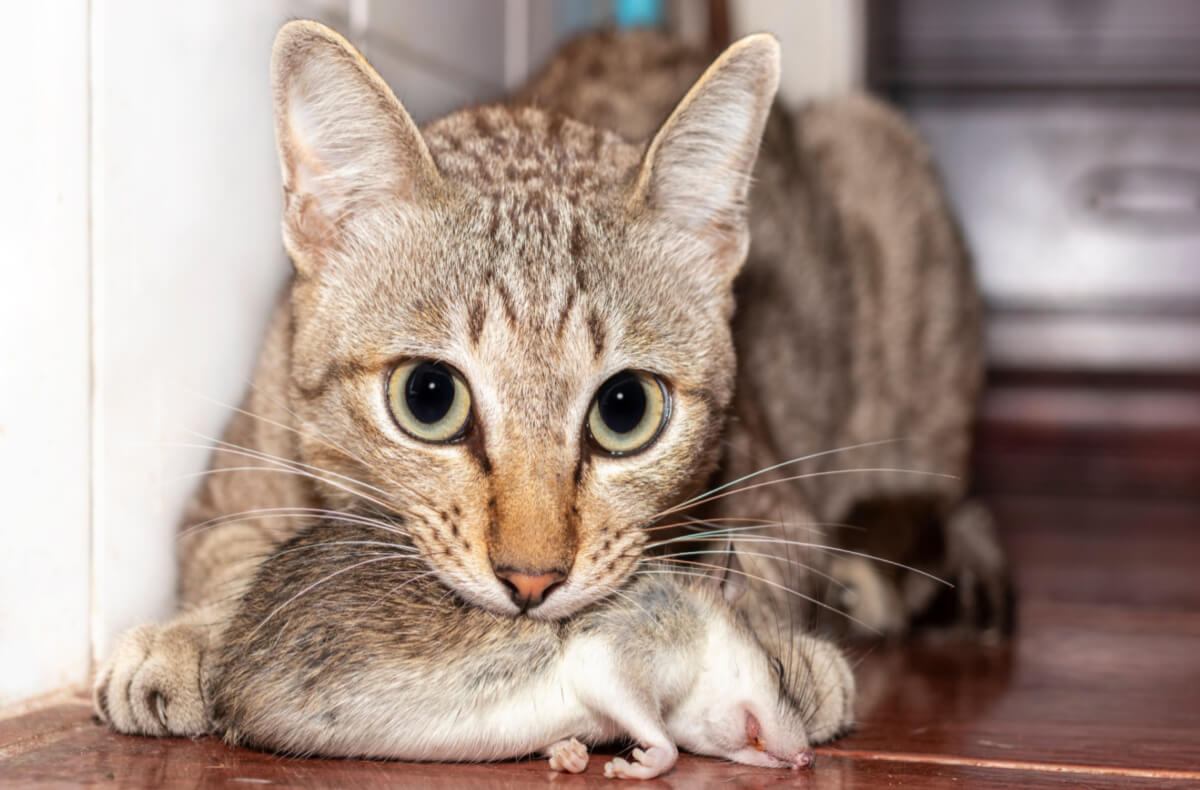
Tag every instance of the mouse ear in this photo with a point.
(730, 578)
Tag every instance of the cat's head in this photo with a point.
(510, 328)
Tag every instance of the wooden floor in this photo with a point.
(1101, 687)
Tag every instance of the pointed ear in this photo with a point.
(344, 140)
(696, 172)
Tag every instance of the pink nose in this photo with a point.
(804, 759)
(528, 590)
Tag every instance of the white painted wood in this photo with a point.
(187, 261)
(44, 569)
(823, 42)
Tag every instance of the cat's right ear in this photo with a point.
(345, 141)
(696, 173)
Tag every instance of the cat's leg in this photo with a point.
(568, 755)
(827, 688)
(152, 683)
(973, 561)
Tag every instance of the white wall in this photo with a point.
(44, 337)
(139, 247)
(186, 262)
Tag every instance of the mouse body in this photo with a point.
(385, 662)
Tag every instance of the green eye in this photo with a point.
(628, 412)
(429, 400)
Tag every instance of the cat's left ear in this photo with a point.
(696, 172)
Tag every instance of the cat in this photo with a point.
(514, 332)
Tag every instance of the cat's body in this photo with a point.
(537, 256)
(422, 675)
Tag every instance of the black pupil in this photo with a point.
(622, 403)
(429, 392)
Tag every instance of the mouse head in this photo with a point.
(742, 707)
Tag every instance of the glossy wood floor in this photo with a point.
(1100, 688)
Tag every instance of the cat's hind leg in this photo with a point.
(980, 598)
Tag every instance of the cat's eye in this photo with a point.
(429, 400)
(628, 412)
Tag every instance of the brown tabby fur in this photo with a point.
(539, 253)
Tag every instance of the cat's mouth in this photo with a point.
(566, 600)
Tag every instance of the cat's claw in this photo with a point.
(568, 755)
(647, 764)
(151, 683)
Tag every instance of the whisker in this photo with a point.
(317, 434)
(743, 553)
(767, 581)
(793, 478)
(290, 512)
(222, 446)
(278, 469)
(818, 547)
(790, 462)
(399, 587)
(811, 526)
(396, 547)
(319, 473)
(319, 582)
(275, 423)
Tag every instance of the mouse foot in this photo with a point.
(647, 763)
(568, 755)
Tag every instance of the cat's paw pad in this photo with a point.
(568, 755)
(151, 684)
(647, 763)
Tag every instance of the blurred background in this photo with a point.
(140, 245)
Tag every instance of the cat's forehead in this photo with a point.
(513, 150)
(540, 216)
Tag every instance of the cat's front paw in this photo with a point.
(568, 755)
(824, 683)
(151, 684)
(647, 763)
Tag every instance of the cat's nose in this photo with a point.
(529, 588)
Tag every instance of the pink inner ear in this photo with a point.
(753, 728)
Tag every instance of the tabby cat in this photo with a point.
(514, 332)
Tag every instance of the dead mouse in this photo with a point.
(347, 645)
